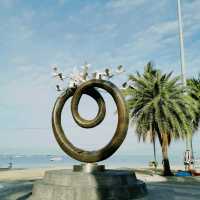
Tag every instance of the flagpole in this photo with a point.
(183, 75)
(182, 53)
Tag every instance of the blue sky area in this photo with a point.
(34, 35)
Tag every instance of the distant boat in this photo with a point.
(19, 156)
(56, 159)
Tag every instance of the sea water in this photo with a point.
(41, 161)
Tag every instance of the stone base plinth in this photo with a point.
(106, 185)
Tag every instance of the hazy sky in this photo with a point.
(35, 34)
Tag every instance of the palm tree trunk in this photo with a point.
(191, 147)
(154, 150)
(166, 164)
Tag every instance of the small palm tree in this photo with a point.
(194, 91)
(159, 108)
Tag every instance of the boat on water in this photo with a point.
(19, 156)
(56, 159)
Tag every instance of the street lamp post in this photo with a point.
(188, 152)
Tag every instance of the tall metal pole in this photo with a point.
(183, 75)
(182, 53)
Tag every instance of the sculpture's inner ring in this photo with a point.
(76, 93)
(101, 104)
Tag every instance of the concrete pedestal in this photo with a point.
(105, 185)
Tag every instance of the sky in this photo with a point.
(35, 35)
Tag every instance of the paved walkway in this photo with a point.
(15, 190)
(171, 188)
(166, 191)
(157, 191)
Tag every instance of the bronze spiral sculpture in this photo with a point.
(88, 88)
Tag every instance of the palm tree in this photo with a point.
(159, 108)
(194, 91)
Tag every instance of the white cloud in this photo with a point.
(153, 38)
(124, 4)
(70, 36)
(106, 30)
(62, 2)
(191, 18)
(165, 28)
(8, 3)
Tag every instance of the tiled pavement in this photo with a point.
(170, 191)
(157, 191)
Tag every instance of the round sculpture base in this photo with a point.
(98, 185)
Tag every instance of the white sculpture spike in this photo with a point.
(120, 69)
(77, 77)
(57, 73)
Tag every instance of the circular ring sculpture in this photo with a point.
(88, 88)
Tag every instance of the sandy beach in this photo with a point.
(142, 172)
(24, 174)
(17, 184)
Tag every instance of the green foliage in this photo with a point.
(194, 91)
(159, 105)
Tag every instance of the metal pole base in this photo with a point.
(89, 168)
(188, 160)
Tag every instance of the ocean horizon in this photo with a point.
(42, 161)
